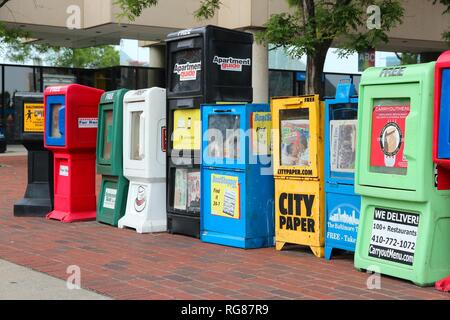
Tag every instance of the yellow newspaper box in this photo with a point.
(298, 151)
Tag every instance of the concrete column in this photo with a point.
(260, 69)
(157, 56)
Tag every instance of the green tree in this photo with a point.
(311, 27)
(15, 49)
(446, 4)
(92, 57)
(408, 58)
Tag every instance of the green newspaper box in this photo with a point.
(114, 189)
(404, 228)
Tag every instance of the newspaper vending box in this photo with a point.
(114, 188)
(341, 203)
(29, 130)
(204, 65)
(298, 170)
(441, 137)
(404, 226)
(144, 160)
(236, 178)
(71, 133)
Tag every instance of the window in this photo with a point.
(388, 136)
(107, 132)
(294, 133)
(281, 83)
(223, 136)
(137, 147)
(54, 126)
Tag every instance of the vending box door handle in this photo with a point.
(222, 111)
(62, 120)
(142, 136)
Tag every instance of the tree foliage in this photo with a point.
(15, 49)
(133, 8)
(446, 4)
(312, 26)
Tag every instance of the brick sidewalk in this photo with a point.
(125, 265)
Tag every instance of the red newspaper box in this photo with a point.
(71, 133)
(441, 134)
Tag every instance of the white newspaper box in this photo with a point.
(144, 160)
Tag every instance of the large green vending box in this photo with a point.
(114, 189)
(404, 228)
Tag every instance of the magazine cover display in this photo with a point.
(224, 136)
(388, 134)
(295, 143)
(193, 192)
(180, 197)
(343, 145)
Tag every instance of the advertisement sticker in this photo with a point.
(394, 235)
(33, 117)
(388, 136)
(225, 196)
(261, 133)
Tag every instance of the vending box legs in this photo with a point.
(298, 218)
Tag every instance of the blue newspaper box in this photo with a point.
(237, 184)
(342, 205)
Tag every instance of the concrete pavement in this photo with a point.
(17, 282)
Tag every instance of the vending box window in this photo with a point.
(342, 205)
(71, 113)
(298, 171)
(114, 188)
(204, 65)
(144, 160)
(29, 130)
(236, 179)
(441, 136)
(404, 219)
